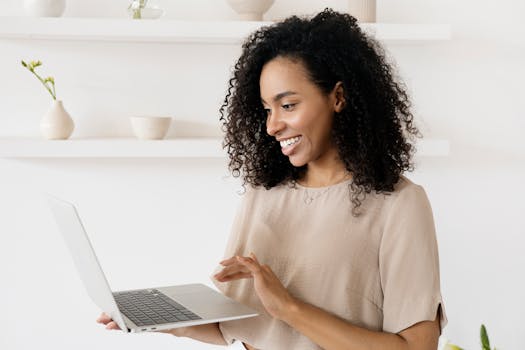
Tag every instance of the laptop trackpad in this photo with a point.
(205, 302)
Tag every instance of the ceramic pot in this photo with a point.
(363, 10)
(57, 123)
(250, 10)
(45, 8)
(150, 128)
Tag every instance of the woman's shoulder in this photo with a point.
(405, 187)
(407, 192)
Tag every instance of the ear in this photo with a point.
(339, 97)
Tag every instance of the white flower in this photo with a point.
(135, 5)
(445, 344)
(138, 4)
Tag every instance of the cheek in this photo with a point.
(320, 131)
(305, 123)
(314, 123)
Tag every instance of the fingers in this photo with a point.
(238, 267)
(112, 325)
(106, 320)
(250, 263)
(263, 267)
(234, 268)
(234, 276)
(103, 318)
(229, 261)
(254, 258)
(233, 260)
(232, 272)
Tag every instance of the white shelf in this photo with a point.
(133, 148)
(111, 148)
(215, 32)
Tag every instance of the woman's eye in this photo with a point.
(288, 107)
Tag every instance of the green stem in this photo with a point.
(45, 85)
(54, 92)
(137, 13)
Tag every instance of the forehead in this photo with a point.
(283, 74)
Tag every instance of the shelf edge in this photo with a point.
(132, 148)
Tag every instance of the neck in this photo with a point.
(321, 175)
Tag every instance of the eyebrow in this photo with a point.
(281, 95)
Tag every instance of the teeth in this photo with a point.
(290, 141)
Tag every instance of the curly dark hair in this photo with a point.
(371, 133)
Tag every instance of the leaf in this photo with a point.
(450, 346)
(485, 343)
(24, 64)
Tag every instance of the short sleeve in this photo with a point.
(409, 263)
(234, 246)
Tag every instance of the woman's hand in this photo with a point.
(106, 320)
(273, 295)
(110, 324)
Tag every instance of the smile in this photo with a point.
(290, 141)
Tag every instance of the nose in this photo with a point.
(274, 124)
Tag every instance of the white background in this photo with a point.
(161, 222)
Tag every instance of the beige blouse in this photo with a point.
(379, 271)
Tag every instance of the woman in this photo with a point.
(332, 244)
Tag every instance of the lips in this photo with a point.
(289, 145)
(289, 141)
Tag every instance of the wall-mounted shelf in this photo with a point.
(214, 32)
(111, 148)
(133, 148)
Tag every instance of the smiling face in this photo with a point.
(299, 114)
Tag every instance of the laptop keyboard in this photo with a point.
(149, 307)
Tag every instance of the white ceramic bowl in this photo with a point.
(45, 8)
(150, 128)
(250, 10)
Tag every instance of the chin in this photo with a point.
(297, 162)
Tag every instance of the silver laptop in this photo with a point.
(141, 310)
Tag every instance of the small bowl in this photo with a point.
(150, 128)
(49, 8)
(250, 10)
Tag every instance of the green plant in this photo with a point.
(136, 6)
(484, 337)
(485, 343)
(49, 82)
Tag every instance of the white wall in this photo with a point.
(158, 222)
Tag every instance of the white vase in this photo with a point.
(45, 8)
(250, 10)
(363, 10)
(57, 123)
